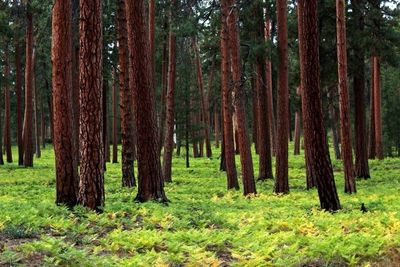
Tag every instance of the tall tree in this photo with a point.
(372, 145)
(314, 130)
(38, 152)
(28, 153)
(91, 189)
(282, 180)
(377, 108)
(150, 182)
(249, 186)
(127, 118)
(347, 154)
(18, 90)
(361, 150)
(67, 180)
(115, 119)
(170, 100)
(228, 141)
(7, 109)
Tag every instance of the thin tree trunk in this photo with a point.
(372, 145)
(314, 131)
(282, 180)
(216, 126)
(35, 112)
(18, 89)
(67, 180)
(151, 185)
(228, 139)
(333, 117)
(249, 186)
(127, 118)
(377, 106)
(255, 111)
(28, 150)
(115, 119)
(1, 139)
(170, 101)
(42, 126)
(7, 109)
(106, 137)
(164, 86)
(91, 190)
(297, 127)
(347, 155)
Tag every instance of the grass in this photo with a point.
(204, 225)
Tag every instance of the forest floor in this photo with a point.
(204, 225)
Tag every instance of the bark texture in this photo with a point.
(7, 109)
(18, 90)
(372, 145)
(91, 187)
(150, 182)
(115, 119)
(67, 181)
(377, 108)
(314, 131)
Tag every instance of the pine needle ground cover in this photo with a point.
(204, 225)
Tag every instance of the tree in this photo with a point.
(127, 118)
(297, 131)
(7, 110)
(249, 186)
(314, 130)
(67, 181)
(377, 108)
(91, 187)
(228, 141)
(170, 100)
(282, 180)
(347, 154)
(18, 91)
(28, 153)
(115, 119)
(371, 145)
(150, 182)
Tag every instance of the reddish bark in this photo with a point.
(75, 75)
(151, 186)
(127, 118)
(377, 108)
(228, 139)
(28, 148)
(35, 110)
(115, 119)
(91, 190)
(255, 111)
(282, 180)
(347, 155)
(216, 126)
(164, 88)
(152, 27)
(372, 145)
(66, 165)
(18, 90)
(249, 185)
(170, 102)
(314, 130)
(7, 109)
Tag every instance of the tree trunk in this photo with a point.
(347, 155)
(372, 145)
(377, 108)
(314, 131)
(164, 86)
(67, 180)
(170, 101)
(127, 119)
(297, 127)
(333, 117)
(7, 109)
(216, 126)
(106, 137)
(151, 186)
(249, 185)
(204, 111)
(35, 111)
(28, 149)
(18, 89)
(42, 126)
(282, 181)
(152, 27)
(75, 75)
(228, 138)
(115, 119)
(1, 139)
(255, 111)
(361, 147)
(91, 190)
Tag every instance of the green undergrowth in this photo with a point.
(204, 224)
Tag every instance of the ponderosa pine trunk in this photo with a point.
(91, 187)
(150, 182)
(228, 138)
(314, 130)
(377, 108)
(67, 180)
(254, 109)
(297, 127)
(204, 111)
(310, 173)
(347, 154)
(127, 118)
(75, 75)
(170, 101)
(7, 108)
(164, 84)
(361, 145)
(372, 145)
(18, 90)
(282, 170)
(152, 30)
(38, 152)
(28, 148)
(115, 119)
(249, 185)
